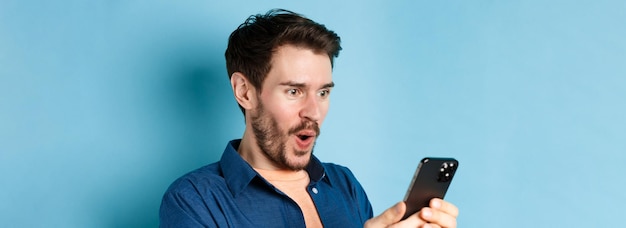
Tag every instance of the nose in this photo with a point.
(311, 109)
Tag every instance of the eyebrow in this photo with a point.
(302, 85)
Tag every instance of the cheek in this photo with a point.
(323, 112)
(285, 115)
(282, 111)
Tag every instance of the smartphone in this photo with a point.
(431, 180)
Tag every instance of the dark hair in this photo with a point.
(252, 44)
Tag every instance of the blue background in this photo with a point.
(104, 103)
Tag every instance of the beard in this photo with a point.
(272, 140)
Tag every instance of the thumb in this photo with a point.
(388, 217)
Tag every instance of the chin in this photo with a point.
(300, 162)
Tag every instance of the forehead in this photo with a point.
(298, 64)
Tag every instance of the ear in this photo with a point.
(244, 91)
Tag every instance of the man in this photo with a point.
(280, 69)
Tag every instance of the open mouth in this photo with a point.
(304, 137)
(304, 141)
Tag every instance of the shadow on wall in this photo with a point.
(191, 115)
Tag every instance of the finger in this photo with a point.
(388, 217)
(413, 220)
(438, 217)
(444, 206)
(428, 225)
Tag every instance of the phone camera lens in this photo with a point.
(446, 171)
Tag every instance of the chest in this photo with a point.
(266, 206)
(297, 191)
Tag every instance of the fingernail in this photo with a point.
(436, 203)
(426, 213)
(426, 226)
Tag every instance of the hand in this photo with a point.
(439, 214)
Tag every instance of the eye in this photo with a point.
(293, 92)
(324, 93)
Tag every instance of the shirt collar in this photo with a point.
(238, 173)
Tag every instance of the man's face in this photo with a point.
(292, 105)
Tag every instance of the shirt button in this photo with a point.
(314, 189)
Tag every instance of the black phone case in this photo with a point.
(431, 180)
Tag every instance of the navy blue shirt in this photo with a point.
(229, 193)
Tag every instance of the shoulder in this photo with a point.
(333, 169)
(197, 182)
(189, 198)
(338, 174)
